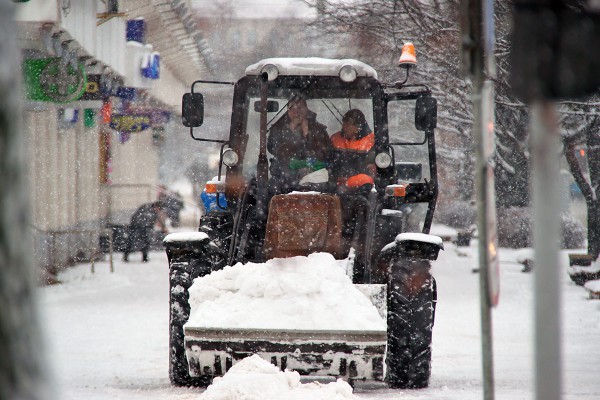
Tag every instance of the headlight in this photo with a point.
(271, 71)
(383, 160)
(230, 157)
(348, 73)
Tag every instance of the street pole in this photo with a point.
(486, 228)
(21, 353)
(478, 63)
(546, 237)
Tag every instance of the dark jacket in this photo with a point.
(288, 147)
(145, 217)
(286, 144)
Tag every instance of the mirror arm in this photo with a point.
(206, 140)
(213, 82)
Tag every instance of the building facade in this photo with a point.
(102, 86)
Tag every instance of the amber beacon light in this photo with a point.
(408, 57)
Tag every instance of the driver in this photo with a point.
(299, 143)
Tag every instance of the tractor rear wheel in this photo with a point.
(411, 310)
(181, 278)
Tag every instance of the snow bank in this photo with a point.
(593, 286)
(254, 378)
(594, 268)
(310, 293)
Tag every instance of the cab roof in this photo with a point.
(311, 66)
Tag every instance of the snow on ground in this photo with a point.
(255, 378)
(107, 334)
(309, 293)
(443, 231)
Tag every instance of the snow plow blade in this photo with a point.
(350, 355)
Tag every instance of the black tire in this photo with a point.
(181, 277)
(410, 316)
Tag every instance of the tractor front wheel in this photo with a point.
(410, 317)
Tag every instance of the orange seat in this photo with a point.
(300, 224)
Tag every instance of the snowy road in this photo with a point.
(107, 333)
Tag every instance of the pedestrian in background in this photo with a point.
(141, 226)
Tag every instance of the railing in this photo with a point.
(91, 246)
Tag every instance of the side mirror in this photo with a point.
(426, 113)
(192, 110)
(272, 106)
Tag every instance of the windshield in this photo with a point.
(327, 111)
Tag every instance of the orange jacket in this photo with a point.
(364, 144)
(350, 158)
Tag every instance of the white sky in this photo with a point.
(258, 8)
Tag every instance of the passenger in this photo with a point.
(300, 145)
(352, 163)
(352, 160)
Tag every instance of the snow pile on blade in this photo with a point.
(254, 378)
(298, 293)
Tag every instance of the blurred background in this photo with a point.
(102, 86)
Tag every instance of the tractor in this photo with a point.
(382, 227)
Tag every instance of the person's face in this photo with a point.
(297, 111)
(349, 130)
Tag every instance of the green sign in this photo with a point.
(89, 118)
(53, 79)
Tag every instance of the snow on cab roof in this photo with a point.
(315, 66)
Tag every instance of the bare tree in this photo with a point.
(581, 133)
(378, 30)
